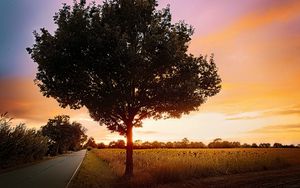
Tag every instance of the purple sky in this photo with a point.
(256, 45)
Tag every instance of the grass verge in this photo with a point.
(95, 173)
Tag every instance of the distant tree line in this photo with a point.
(19, 144)
(184, 143)
(219, 143)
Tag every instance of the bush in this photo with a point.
(89, 148)
(18, 144)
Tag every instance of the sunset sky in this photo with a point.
(256, 44)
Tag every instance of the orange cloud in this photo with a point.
(236, 98)
(291, 128)
(22, 100)
(146, 132)
(295, 110)
(278, 13)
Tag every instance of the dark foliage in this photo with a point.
(124, 61)
(184, 143)
(101, 145)
(218, 143)
(117, 144)
(277, 145)
(254, 145)
(264, 145)
(90, 143)
(18, 144)
(63, 135)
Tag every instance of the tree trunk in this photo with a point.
(57, 148)
(129, 152)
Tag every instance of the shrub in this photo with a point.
(18, 144)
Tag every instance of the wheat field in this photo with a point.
(157, 166)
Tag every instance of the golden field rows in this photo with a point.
(168, 165)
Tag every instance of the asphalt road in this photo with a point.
(53, 173)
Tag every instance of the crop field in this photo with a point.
(159, 166)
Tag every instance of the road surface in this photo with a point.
(53, 173)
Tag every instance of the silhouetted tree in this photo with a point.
(121, 144)
(289, 146)
(112, 144)
(77, 136)
(245, 145)
(91, 143)
(217, 140)
(254, 145)
(197, 145)
(117, 144)
(185, 142)
(264, 145)
(169, 145)
(146, 145)
(155, 144)
(277, 145)
(124, 61)
(235, 144)
(137, 144)
(218, 143)
(63, 135)
(101, 145)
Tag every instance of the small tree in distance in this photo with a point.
(124, 61)
(91, 143)
(63, 135)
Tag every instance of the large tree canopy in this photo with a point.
(124, 61)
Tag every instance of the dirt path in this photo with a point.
(287, 178)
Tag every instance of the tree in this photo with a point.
(146, 145)
(217, 140)
(254, 145)
(198, 145)
(91, 143)
(218, 143)
(245, 145)
(169, 145)
(184, 142)
(264, 145)
(117, 144)
(236, 144)
(124, 61)
(120, 144)
(137, 143)
(63, 135)
(101, 145)
(277, 145)
(155, 144)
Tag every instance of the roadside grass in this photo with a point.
(94, 172)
